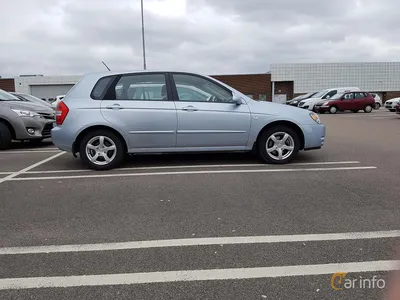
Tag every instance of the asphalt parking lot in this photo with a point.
(220, 226)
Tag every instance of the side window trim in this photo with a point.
(175, 96)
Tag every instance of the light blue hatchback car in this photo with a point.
(106, 115)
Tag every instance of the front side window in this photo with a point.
(348, 96)
(198, 89)
(146, 87)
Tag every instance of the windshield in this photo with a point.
(337, 96)
(319, 94)
(4, 96)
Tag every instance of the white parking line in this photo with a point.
(187, 173)
(14, 174)
(268, 239)
(5, 173)
(198, 166)
(195, 275)
(28, 151)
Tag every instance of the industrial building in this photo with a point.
(282, 82)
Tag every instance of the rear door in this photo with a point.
(359, 100)
(140, 105)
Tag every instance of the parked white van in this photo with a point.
(325, 94)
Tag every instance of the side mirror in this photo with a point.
(328, 97)
(237, 99)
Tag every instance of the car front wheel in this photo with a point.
(278, 145)
(368, 109)
(377, 105)
(333, 110)
(101, 150)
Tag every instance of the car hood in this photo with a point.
(29, 106)
(280, 110)
(311, 100)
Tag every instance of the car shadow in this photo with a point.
(21, 145)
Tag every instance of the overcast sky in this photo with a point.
(63, 37)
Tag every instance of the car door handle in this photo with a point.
(114, 106)
(189, 108)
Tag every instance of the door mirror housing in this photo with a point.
(237, 99)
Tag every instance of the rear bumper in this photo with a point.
(62, 139)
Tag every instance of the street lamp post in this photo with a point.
(144, 46)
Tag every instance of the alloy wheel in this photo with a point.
(280, 145)
(101, 150)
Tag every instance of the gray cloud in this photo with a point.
(207, 36)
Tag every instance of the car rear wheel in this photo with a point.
(368, 109)
(333, 110)
(101, 150)
(5, 137)
(377, 105)
(278, 145)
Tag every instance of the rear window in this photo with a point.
(101, 87)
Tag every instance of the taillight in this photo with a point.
(61, 112)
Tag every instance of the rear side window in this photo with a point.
(359, 95)
(147, 87)
(100, 87)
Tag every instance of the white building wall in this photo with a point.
(23, 84)
(371, 77)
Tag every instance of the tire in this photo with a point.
(278, 132)
(333, 110)
(355, 111)
(368, 109)
(93, 139)
(5, 137)
(377, 106)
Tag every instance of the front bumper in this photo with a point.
(322, 108)
(390, 106)
(314, 136)
(41, 126)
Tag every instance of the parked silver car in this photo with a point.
(21, 120)
(106, 115)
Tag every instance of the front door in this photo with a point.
(347, 102)
(141, 107)
(207, 116)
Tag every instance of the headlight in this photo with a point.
(315, 118)
(25, 113)
(295, 102)
(325, 103)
